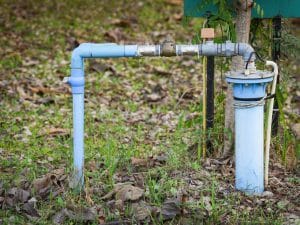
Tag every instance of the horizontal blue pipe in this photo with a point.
(110, 50)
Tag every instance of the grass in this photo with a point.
(37, 37)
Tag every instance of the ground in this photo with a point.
(143, 118)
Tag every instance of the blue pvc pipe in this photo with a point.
(87, 50)
(78, 138)
(108, 50)
(249, 149)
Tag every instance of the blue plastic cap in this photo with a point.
(249, 88)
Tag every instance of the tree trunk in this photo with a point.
(242, 27)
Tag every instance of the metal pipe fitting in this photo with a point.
(148, 50)
(191, 50)
(168, 48)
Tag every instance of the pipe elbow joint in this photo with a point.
(246, 50)
(76, 80)
(84, 50)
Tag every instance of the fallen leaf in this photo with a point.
(160, 158)
(282, 204)
(141, 210)
(40, 90)
(49, 182)
(1, 182)
(72, 43)
(170, 209)
(121, 22)
(267, 194)
(291, 219)
(192, 116)
(86, 214)
(23, 95)
(58, 173)
(129, 192)
(27, 131)
(58, 132)
(19, 195)
(178, 16)
(33, 200)
(161, 71)
(54, 132)
(30, 62)
(125, 192)
(188, 63)
(101, 67)
(296, 130)
(207, 204)
(139, 179)
(153, 97)
(115, 35)
(41, 183)
(80, 214)
(135, 117)
(45, 101)
(29, 209)
(59, 217)
(119, 204)
(139, 162)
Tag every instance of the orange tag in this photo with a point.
(207, 33)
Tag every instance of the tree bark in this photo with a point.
(242, 27)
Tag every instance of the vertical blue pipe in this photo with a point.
(78, 143)
(87, 50)
(249, 149)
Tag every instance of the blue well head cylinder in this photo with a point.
(249, 92)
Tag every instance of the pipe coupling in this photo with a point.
(77, 84)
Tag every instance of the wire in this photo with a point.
(259, 57)
(250, 56)
(250, 104)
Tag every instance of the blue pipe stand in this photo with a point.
(167, 49)
(249, 92)
(77, 82)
